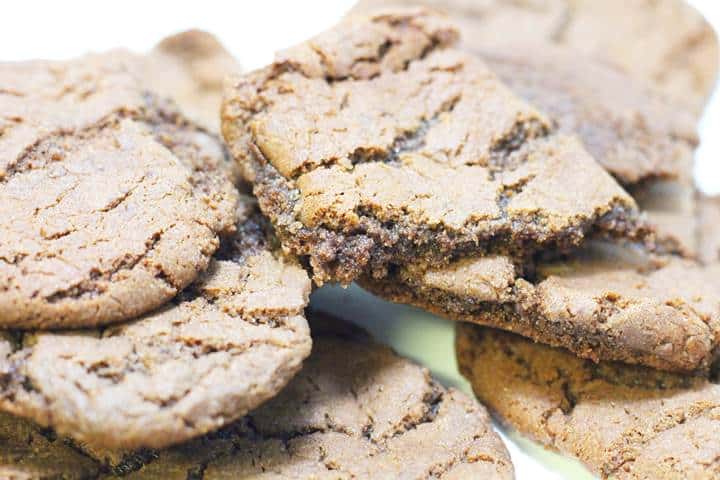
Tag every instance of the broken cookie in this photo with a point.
(112, 201)
(226, 344)
(605, 302)
(378, 143)
(621, 421)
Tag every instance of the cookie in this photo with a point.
(709, 228)
(605, 302)
(622, 422)
(356, 410)
(634, 132)
(378, 143)
(226, 344)
(112, 201)
(666, 43)
(190, 67)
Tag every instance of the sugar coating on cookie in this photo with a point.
(604, 302)
(190, 67)
(666, 43)
(226, 344)
(112, 201)
(623, 422)
(377, 142)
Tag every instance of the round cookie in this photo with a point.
(622, 422)
(378, 143)
(112, 201)
(226, 344)
(666, 43)
(356, 410)
(190, 67)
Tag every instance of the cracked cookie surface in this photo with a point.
(356, 410)
(605, 302)
(226, 344)
(377, 143)
(623, 422)
(112, 201)
(664, 42)
(190, 67)
(634, 132)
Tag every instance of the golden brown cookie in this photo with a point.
(112, 201)
(666, 43)
(623, 422)
(226, 344)
(378, 143)
(190, 68)
(356, 410)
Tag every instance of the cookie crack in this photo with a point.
(91, 287)
(410, 141)
(502, 150)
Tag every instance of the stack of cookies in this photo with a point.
(157, 256)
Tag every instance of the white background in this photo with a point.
(253, 30)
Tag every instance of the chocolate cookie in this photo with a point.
(190, 67)
(623, 422)
(112, 201)
(356, 410)
(605, 302)
(377, 143)
(635, 133)
(225, 345)
(663, 42)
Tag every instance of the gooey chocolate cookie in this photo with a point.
(378, 143)
(112, 202)
(623, 422)
(356, 410)
(226, 344)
